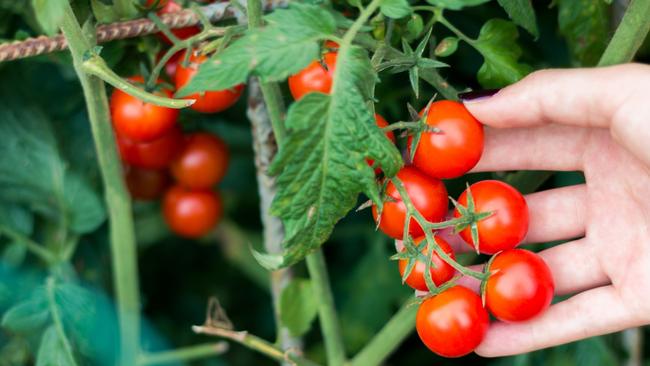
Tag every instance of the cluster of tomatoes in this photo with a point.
(153, 148)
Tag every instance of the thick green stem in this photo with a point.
(122, 238)
(629, 35)
(255, 343)
(329, 321)
(95, 65)
(389, 337)
(58, 323)
(183, 354)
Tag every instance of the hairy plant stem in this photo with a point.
(183, 354)
(255, 343)
(122, 238)
(389, 337)
(629, 35)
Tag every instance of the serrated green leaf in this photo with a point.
(298, 306)
(585, 24)
(284, 47)
(28, 316)
(497, 43)
(43, 182)
(395, 8)
(51, 351)
(456, 4)
(322, 163)
(49, 14)
(522, 13)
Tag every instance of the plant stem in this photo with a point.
(95, 65)
(56, 318)
(38, 250)
(629, 35)
(329, 321)
(255, 343)
(183, 354)
(122, 238)
(402, 125)
(389, 337)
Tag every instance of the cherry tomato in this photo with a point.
(508, 224)
(316, 77)
(191, 213)
(140, 121)
(429, 196)
(452, 323)
(520, 285)
(209, 101)
(441, 271)
(454, 150)
(202, 162)
(381, 123)
(156, 154)
(146, 184)
(181, 33)
(157, 3)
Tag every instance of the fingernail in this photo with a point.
(477, 95)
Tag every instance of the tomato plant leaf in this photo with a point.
(456, 4)
(497, 44)
(44, 182)
(522, 13)
(298, 306)
(28, 316)
(321, 166)
(585, 24)
(286, 45)
(51, 351)
(49, 14)
(395, 8)
(16, 217)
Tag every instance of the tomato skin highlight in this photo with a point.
(507, 226)
(202, 162)
(429, 196)
(381, 123)
(211, 101)
(520, 286)
(456, 149)
(156, 154)
(140, 121)
(146, 184)
(314, 77)
(452, 323)
(441, 271)
(191, 213)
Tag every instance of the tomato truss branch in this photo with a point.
(128, 29)
(183, 354)
(255, 343)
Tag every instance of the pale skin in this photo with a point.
(596, 121)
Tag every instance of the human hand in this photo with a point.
(596, 121)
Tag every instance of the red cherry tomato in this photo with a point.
(381, 123)
(191, 213)
(452, 323)
(429, 196)
(140, 121)
(520, 285)
(146, 184)
(508, 224)
(454, 150)
(316, 77)
(441, 271)
(181, 33)
(156, 154)
(210, 101)
(202, 163)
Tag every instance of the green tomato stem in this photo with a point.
(122, 237)
(95, 65)
(629, 35)
(40, 251)
(183, 354)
